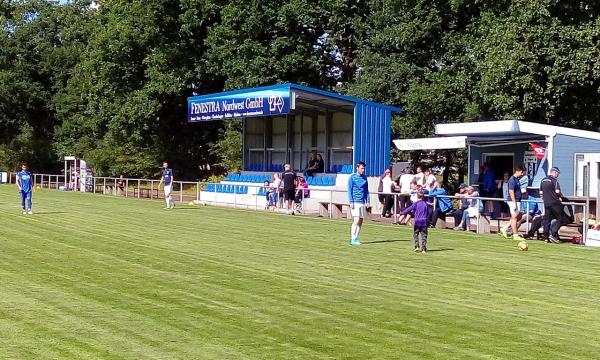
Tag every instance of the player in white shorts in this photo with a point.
(167, 179)
(358, 197)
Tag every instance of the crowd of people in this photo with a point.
(288, 188)
(512, 191)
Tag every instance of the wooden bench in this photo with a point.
(336, 209)
(339, 210)
(145, 192)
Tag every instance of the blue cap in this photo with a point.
(554, 168)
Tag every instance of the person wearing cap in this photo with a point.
(550, 192)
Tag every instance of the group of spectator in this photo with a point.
(407, 186)
(316, 165)
(287, 187)
(517, 198)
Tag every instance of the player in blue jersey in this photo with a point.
(358, 197)
(24, 184)
(167, 179)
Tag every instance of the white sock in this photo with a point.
(167, 201)
(353, 231)
(357, 231)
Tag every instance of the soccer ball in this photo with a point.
(523, 246)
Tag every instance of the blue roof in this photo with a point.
(290, 86)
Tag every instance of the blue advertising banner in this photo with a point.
(239, 105)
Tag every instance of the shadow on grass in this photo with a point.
(49, 212)
(442, 249)
(382, 241)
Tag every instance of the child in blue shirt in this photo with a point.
(422, 211)
(24, 185)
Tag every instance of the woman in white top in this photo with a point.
(276, 186)
(388, 187)
(473, 209)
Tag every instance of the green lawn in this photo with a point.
(91, 276)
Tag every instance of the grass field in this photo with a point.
(89, 277)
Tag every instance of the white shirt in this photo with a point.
(276, 184)
(405, 181)
(419, 178)
(430, 180)
(387, 184)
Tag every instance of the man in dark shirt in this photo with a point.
(289, 187)
(513, 199)
(313, 164)
(550, 191)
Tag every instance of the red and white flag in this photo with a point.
(538, 150)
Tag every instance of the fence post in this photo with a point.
(198, 191)
(330, 204)
(180, 192)
(126, 186)
(234, 196)
(586, 215)
(216, 198)
(255, 198)
(527, 215)
(395, 206)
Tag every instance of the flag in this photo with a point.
(538, 150)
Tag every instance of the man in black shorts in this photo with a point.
(289, 187)
(550, 191)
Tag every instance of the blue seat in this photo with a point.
(210, 187)
(244, 190)
(236, 177)
(319, 181)
(309, 180)
(330, 181)
(262, 192)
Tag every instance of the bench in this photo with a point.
(145, 192)
(339, 210)
(336, 209)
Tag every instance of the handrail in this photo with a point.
(112, 184)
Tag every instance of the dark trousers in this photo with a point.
(387, 205)
(458, 214)
(538, 222)
(422, 230)
(437, 213)
(404, 201)
(552, 212)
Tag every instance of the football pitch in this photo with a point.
(97, 277)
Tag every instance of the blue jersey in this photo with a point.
(167, 176)
(25, 180)
(515, 185)
(358, 189)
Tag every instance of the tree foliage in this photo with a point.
(110, 84)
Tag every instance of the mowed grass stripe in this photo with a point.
(263, 257)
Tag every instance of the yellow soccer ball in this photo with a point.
(523, 246)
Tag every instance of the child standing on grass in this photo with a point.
(422, 211)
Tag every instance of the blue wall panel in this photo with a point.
(565, 148)
(372, 137)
